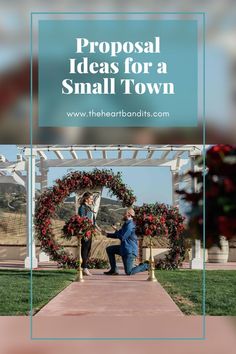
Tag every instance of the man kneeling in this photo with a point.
(128, 248)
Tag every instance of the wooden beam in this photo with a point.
(42, 154)
(149, 156)
(59, 155)
(74, 155)
(89, 154)
(165, 154)
(104, 154)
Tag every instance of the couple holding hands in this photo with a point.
(128, 248)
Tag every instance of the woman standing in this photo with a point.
(85, 209)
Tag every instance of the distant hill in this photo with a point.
(13, 199)
(13, 217)
(11, 188)
(110, 201)
(110, 212)
(13, 225)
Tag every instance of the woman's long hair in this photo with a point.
(85, 196)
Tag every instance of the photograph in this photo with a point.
(117, 177)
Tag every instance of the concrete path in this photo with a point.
(120, 296)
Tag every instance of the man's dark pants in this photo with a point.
(128, 261)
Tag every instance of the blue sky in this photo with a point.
(150, 184)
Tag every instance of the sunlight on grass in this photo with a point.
(15, 289)
(185, 287)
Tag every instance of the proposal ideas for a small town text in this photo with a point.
(116, 75)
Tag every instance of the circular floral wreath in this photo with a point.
(54, 197)
(161, 219)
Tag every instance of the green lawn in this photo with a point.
(185, 287)
(14, 289)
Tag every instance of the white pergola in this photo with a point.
(32, 166)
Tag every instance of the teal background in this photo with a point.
(178, 42)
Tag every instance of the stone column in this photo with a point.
(232, 249)
(175, 185)
(43, 257)
(197, 258)
(44, 175)
(31, 260)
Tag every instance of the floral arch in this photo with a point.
(53, 197)
(151, 219)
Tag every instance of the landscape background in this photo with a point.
(13, 221)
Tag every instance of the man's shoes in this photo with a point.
(86, 272)
(111, 272)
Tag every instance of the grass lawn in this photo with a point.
(185, 287)
(15, 289)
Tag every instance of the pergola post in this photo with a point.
(76, 203)
(30, 260)
(43, 257)
(197, 258)
(175, 185)
(43, 175)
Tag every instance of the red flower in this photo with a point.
(162, 220)
(150, 218)
(213, 191)
(229, 185)
(148, 232)
(227, 226)
(220, 148)
(88, 233)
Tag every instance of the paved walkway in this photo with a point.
(119, 296)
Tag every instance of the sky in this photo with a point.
(150, 184)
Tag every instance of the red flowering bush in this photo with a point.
(220, 196)
(156, 220)
(78, 226)
(151, 225)
(53, 197)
